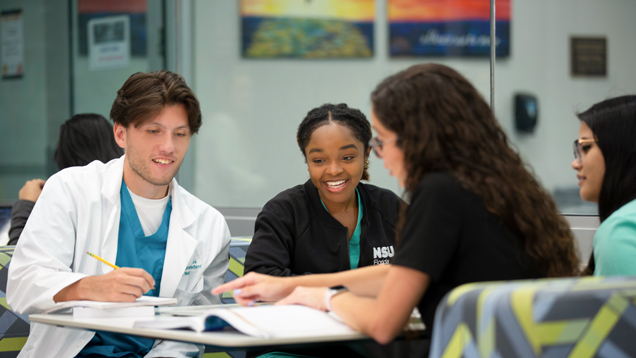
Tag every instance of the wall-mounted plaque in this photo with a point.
(588, 56)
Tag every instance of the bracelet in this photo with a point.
(332, 291)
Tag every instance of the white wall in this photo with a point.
(246, 150)
(539, 64)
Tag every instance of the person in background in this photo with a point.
(83, 138)
(333, 222)
(605, 162)
(475, 213)
(131, 212)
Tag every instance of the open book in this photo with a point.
(144, 306)
(267, 321)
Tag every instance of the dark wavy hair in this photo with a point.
(613, 123)
(348, 117)
(84, 138)
(144, 95)
(443, 124)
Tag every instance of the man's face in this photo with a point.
(154, 151)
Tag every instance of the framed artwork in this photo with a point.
(449, 28)
(308, 29)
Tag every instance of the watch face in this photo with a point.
(339, 288)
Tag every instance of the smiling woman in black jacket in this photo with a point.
(333, 222)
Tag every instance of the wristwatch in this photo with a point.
(332, 291)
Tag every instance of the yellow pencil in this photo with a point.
(102, 260)
(106, 262)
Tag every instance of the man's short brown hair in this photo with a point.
(144, 95)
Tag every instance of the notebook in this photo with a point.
(267, 321)
(144, 306)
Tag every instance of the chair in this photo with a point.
(14, 328)
(571, 317)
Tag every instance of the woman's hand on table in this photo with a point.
(313, 297)
(257, 287)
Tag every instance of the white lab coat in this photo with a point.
(79, 211)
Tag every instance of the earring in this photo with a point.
(366, 164)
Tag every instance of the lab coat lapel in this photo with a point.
(181, 245)
(110, 192)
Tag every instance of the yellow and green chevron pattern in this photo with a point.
(14, 328)
(570, 318)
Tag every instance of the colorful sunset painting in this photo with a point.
(458, 28)
(307, 28)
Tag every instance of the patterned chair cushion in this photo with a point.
(14, 328)
(573, 317)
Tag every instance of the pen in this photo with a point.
(106, 262)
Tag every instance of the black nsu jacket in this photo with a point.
(295, 235)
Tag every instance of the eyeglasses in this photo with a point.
(376, 145)
(577, 147)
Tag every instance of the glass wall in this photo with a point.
(66, 71)
(246, 151)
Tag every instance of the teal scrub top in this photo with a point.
(354, 243)
(134, 249)
(615, 243)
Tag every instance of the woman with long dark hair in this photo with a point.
(476, 213)
(605, 161)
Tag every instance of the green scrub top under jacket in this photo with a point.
(134, 249)
(354, 243)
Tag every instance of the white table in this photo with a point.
(224, 340)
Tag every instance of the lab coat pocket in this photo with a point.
(186, 297)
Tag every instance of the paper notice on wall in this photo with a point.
(109, 42)
(12, 43)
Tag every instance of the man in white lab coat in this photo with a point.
(131, 212)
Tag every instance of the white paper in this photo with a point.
(267, 321)
(109, 42)
(12, 44)
(141, 301)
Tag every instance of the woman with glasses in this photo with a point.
(333, 222)
(475, 213)
(605, 161)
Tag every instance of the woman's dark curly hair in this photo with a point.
(443, 124)
(342, 114)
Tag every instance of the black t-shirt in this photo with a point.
(449, 235)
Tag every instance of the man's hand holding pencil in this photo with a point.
(120, 285)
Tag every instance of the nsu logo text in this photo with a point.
(381, 254)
